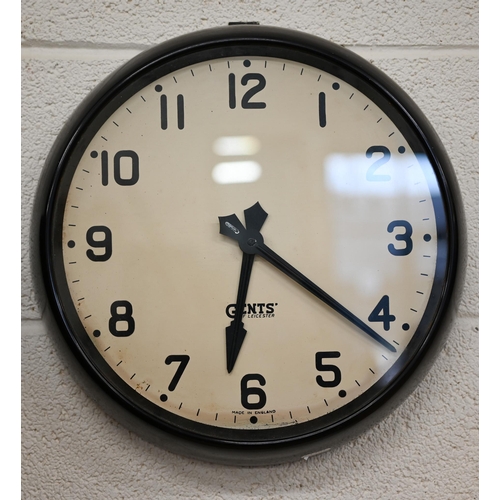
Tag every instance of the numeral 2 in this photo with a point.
(370, 174)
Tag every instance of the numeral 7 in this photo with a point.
(183, 360)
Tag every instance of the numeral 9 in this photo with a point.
(104, 243)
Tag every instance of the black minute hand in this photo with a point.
(252, 242)
(272, 257)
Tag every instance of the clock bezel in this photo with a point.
(185, 436)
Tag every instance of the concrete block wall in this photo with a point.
(428, 447)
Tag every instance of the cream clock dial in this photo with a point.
(251, 241)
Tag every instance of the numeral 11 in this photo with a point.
(164, 112)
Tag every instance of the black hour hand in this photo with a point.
(235, 332)
(247, 238)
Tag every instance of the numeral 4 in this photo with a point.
(381, 313)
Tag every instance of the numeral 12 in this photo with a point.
(245, 100)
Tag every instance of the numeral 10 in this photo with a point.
(120, 161)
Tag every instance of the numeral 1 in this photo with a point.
(322, 109)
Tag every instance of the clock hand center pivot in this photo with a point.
(249, 237)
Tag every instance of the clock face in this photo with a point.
(249, 244)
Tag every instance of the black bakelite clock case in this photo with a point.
(256, 430)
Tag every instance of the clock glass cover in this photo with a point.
(248, 243)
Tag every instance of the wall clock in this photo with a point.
(252, 241)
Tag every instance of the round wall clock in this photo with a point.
(252, 241)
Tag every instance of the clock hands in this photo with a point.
(251, 243)
(235, 333)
